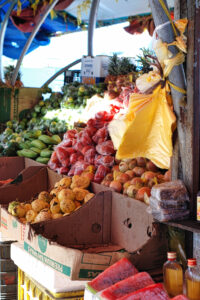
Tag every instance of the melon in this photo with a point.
(151, 292)
(128, 285)
(117, 272)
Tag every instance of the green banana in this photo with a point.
(46, 153)
(46, 139)
(19, 153)
(23, 145)
(38, 144)
(42, 160)
(28, 153)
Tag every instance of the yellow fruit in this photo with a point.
(45, 196)
(80, 182)
(27, 207)
(55, 191)
(64, 182)
(88, 197)
(38, 205)
(67, 205)
(80, 193)
(12, 205)
(43, 215)
(19, 211)
(55, 206)
(66, 194)
(30, 215)
(57, 216)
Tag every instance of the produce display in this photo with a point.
(91, 147)
(67, 195)
(53, 115)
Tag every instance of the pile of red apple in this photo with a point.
(135, 178)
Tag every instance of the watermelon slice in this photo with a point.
(180, 297)
(118, 271)
(128, 285)
(151, 292)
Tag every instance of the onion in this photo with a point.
(122, 178)
(138, 171)
(151, 167)
(132, 190)
(168, 176)
(146, 176)
(130, 173)
(141, 161)
(132, 164)
(123, 166)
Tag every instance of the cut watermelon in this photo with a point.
(118, 271)
(128, 285)
(180, 297)
(151, 292)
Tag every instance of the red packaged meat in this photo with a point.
(78, 146)
(116, 272)
(180, 297)
(66, 143)
(53, 166)
(151, 292)
(101, 173)
(54, 158)
(105, 148)
(73, 158)
(90, 156)
(128, 285)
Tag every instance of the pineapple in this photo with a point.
(8, 76)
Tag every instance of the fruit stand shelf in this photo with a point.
(189, 225)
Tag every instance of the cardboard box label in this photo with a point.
(48, 261)
(105, 259)
(88, 273)
(4, 223)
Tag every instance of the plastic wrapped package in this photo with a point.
(168, 204)
(172, 190)
(165, 215)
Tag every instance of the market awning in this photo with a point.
(63, 21)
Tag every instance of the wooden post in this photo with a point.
(187, 112)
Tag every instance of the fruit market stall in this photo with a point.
(105, 181)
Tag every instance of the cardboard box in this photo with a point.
(14, 102)
(94, 69)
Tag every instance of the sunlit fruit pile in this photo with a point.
(67, 195)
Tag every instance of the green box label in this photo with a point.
(87, 273)
(48, 261)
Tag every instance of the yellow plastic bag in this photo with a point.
(146, 129)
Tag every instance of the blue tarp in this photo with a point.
(15, 39)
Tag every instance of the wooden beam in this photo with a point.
(186, 111)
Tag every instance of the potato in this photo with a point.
(55, 206)
(67, 205)
(80, 193)
(80, 182)
(45, 196)
(66, 194)
(43, 215)
(64, 182)
(38, 205)
(30, 215)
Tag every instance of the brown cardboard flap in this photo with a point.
(89, 225)
(35, 180)
(10, 167)
(131, 224)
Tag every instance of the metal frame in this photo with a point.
(3, 31)
(30, 39)
(92, 25)
(61, 71)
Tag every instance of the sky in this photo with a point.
(39, 65)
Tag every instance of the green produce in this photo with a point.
(42, 160)
(19, 153)
(38, 144)
(56, 139)
(28, 153)
(46, 153)
(36, 150)
(23, 145)
(46, 139)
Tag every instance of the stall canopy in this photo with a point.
(62, 20)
